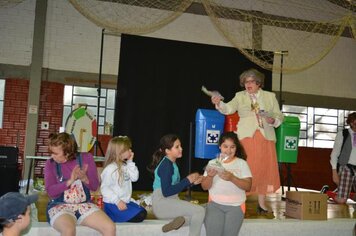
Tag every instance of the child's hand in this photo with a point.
(82, 171)
(121, 205)
(131, 157)
(193, 177)
(226, 175)
(128, 155)
(198, 180)
(73, 175)
(211, 172)
(82, 174)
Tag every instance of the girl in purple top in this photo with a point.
(69, 177)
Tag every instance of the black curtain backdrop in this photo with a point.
(159, 92)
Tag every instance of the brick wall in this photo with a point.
(51, 111)
(15, 116)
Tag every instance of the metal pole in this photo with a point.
(280, 165)
(99, 95)
(280, 83)
(188, 195)
(29, 176)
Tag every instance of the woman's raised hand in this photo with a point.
(215, 99)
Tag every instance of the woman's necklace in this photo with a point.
(255, 107)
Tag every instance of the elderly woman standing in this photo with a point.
(259, 114)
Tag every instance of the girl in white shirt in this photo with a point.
(116, 182)
(227, 179)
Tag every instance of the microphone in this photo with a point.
(281, 52)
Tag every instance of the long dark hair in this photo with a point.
(240, 151)
(166, 142)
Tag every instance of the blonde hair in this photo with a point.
(116, 147)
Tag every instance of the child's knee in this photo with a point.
(108, 228)
(201, 211)
(111, 229)
(67, 230)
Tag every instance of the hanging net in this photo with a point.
(9, 3)
(303, 31)
(131, 16)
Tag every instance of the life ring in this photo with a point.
(82, 124)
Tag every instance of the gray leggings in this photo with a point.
(222, 220)
(171, 207)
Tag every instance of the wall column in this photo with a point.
(35, 82)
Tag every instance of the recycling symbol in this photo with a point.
(290, 143)
(212, 136)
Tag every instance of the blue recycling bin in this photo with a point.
(209, 125)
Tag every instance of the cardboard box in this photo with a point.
(306, 205)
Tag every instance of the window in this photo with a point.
(2, 92)
(85, 95)
(318, 126)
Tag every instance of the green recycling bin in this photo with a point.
(287, 140)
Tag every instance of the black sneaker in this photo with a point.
(324, 189)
